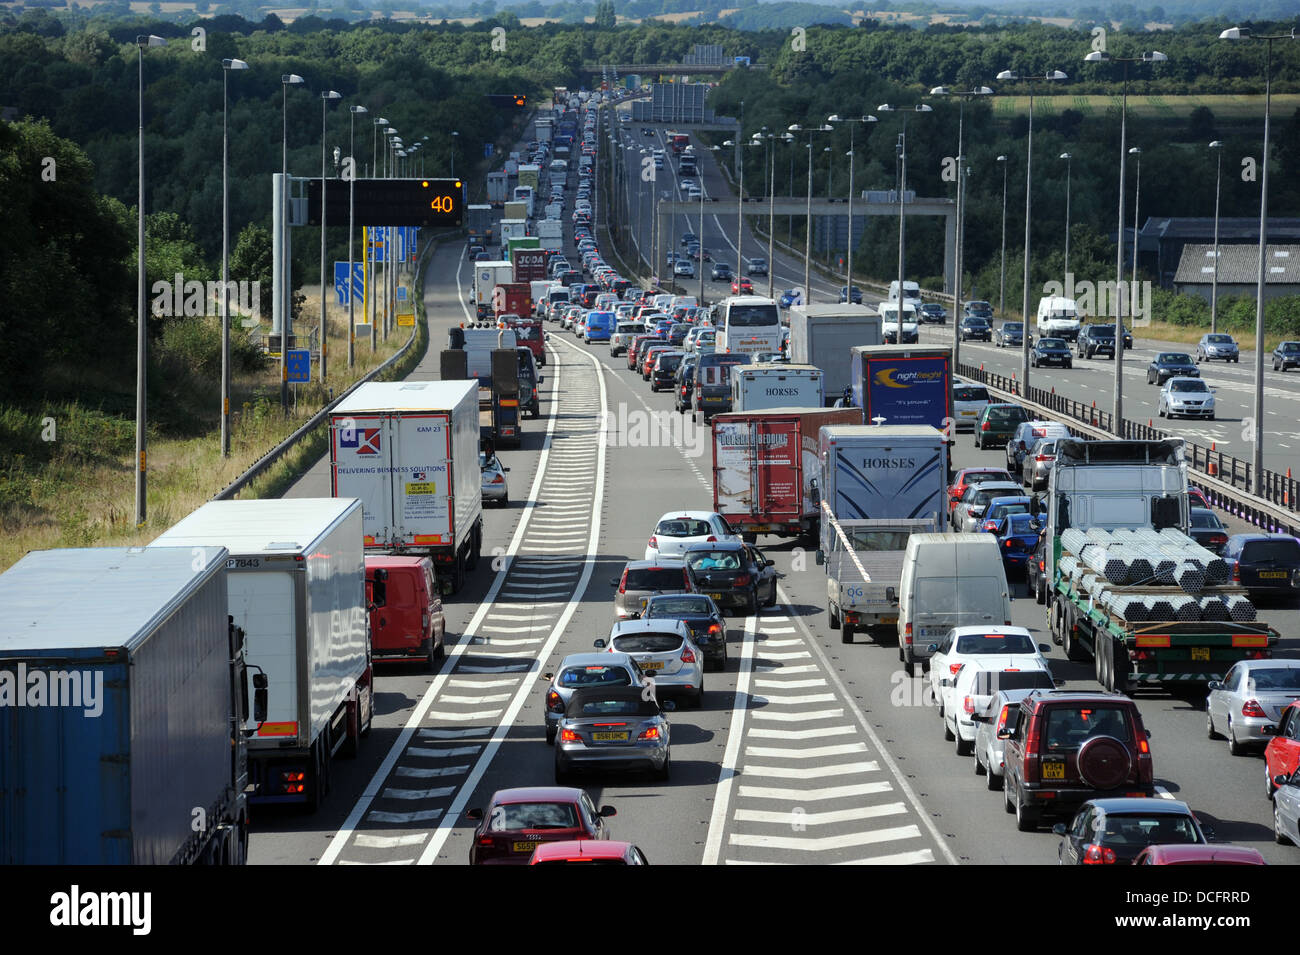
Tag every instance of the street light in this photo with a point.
(1012, 76)
(959, 257)
(1239, 33)
(1097, 56)
(141, 316)
(286, 297)
(325, 98)
(740, 203)
(226, 67)
(455, 139)
(1067, 157)
(807, 244)
(1217, 146)
(902, 188)
(1002, 289)
(1136, 152)
(354, 111)
(836, 118)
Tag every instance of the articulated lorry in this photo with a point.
(409, 452)
(487, 354)
(136, 750)
(296, 586)
(903, 384)
(880, 484)
(1126, 585)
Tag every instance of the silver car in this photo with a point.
(1038, 464)
(1286, 809)
(1217, 347)
(1188, 397)
(1250, 697)
(966, 515)
(493, 479)
(666, 654)
(624, 332)
(991, 720)
(641, 578)
(582, 670)
(613, 728)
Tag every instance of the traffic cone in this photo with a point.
(1214, 468)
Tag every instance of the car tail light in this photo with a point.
(990, 525)
(1098, 855)
(498, 479)
(907, 633)
(622, 584)
(554, 702)
(984, 426)
(710, 539)
(714, 628)
(968, 705)
(569, 736)
(1144, 748)
(653, 543)
(1006, 543)
(1236, 572)
(1218, 538)
(649, 733)
(1253, 709)
(1043, 457)
(742, 580)
(955, 668)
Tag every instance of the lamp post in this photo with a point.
(1136, 153)
(1002, 285)
(141, 315)
(959, 257)
(902, 188)
(352, 183)
(701, 238)
(1217, 146)
(325, 98)
(848, 257)
(740, 200)
(1067, 157)
(226, 66)
(455, 141)
(1239, 33)
(286, 299)
(1011, 75)
(1155, 56)
(807, 244)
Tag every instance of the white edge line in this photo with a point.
(416, 718)
(722, 793)
(526, 689)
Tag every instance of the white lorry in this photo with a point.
(296, 585)
(824, 336)
(409, 452)
(776, 385)
(487, 276)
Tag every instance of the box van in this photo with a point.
(1058, 318)
(406, 617)
(911, 293)
(949, 580)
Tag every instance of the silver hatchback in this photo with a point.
(666, 654)
(641, 578)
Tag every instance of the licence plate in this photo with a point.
(889, 620)
(968, 414)
(651, 665)
(1273, 574)
(523, 846)
(610, 737)
(715, 596)
(1054, 769)
(1200, 653)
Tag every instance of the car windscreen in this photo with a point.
(864, 539)
(1069, 726)
(669, 362)
(979, 477)
(1021, 521)
(1173, 359)
(1189, 386)
(1103, 331)
(1286, 551)
(1290, 346)
(1052, 344)
(1012, 327)
(648, 643)
(976, 643)
(532, 815)
(656, 578)
(671, 606)
(751, 316)
(981, 497)
(714, 559)
(1007, 414)
(1219, 339)
(594, 676)
(611, 707)
(1159, 829)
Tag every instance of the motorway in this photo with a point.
(805, 751)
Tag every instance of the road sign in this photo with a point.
(487, 150)
(298, 365)
(380, 202)
(401, 293)
(405, 319)
(341, 281)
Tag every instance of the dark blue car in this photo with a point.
(1017, 539)
(1264, 563)
(701, 615)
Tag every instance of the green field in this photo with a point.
(1225, 107)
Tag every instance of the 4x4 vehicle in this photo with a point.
(1096, 340)
(1065, 747)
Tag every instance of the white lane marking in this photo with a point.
(428, 772)
(493, 628)
(730, 756)
(820, 818)
(813, 795)
(489, 698)
(797, 717)
(781, 643)
(776, 643)
(421, 710)
(765, 655)
(480, 684)
(812, 772)
(489, 642)
(824, 843)
(494, 615)
(794, 700)
(816, 752)
(526, 690)
(429, 752)
(434, 715)
(366, 841)
(788, 684)
(510, 668)
(455, 734)
(539, 584)
(438, 793)
(398, 818)
(1164, 793)
(915, 857)
(806, 668)
(388, 862)
(761, 733)
(521, 593)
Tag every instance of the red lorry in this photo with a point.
(765, 468)
(512, 298)
(529, 265)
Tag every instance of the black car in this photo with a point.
(677, 333)
(975, 328)
(1286, 355)
(932, 313)
(684, 384)
(1115, 831)
(713, 383)
(1207, 530)
(665, 367)
(721, 272)
(1051, 351)
(980, 308)
(851, 294)
(733, 574)
(1096, 340)
(701, 615)
(1264, 563)
(1036, 572)
(1168, 364)
(1009, 334)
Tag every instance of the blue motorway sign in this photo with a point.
(487, 150)
(298, 365)
(341, 281)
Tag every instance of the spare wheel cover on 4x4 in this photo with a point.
(1103, 762)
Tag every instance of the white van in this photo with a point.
(911, 293)
(1058, 317)
(948, 580)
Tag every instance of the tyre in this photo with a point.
(1234, 748)
(1211, 417)
(909, 667)
(979, 767)
(1007, 804)
(751, 609)
(664, 774)
(1210, 732)
(992, 781)
(550, 734)
(964, 747)
(947, 733)
(1279, 834)
(1026, 818)
(833, 616)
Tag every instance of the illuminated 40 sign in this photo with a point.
(382, 202)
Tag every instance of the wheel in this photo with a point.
(771, 600)
(1210, 732)
(832, 613)
(948, 734)
(1069, 364)
(846, 632)
(1073, 651)
(979, 767)
(1160, 411)
(1279, 834)
(752, 609)
(1026, 818)
(1211, 417)
(1108, 666)
(992, 781)
(550, 734)
(458, 574)
(1120, 668)
(697, 701)
(964, 747)
(909, 667)
(315, 788)
(1234, 748)
(663, 775)
(1275, 368)
(1269, 789)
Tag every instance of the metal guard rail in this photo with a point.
(1224, 478)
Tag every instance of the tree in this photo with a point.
(605, 17)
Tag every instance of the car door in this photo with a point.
(939, 664)
(1222, 701)
(1080, 831)
(1283, 751)
(766, 575)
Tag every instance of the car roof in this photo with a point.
(1081, 696)
(691, 515)
(536, 794)
(714, 545)
(664, 562)
(1145, 805)
(594, 658)
(1175, 854)
(967, 631)
(1247, 538)
(580, 849)
(622, 628)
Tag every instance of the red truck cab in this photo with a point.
(529, 334)
(406, 616)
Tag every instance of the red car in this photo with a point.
(632, 348)
(1282, 755)
(968, 476)
(406, 617)
(741, 286)
(588, 851)
(517, 821)
(1199, 855)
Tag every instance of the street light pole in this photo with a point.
(807, 245)
(1002, 289)
(141, 315)
(902, 190)
(324, 102)
(286, 298)
(848, 265)
(352, 184)
(1217, 146)
(1067, 157)
(1136, 152)
(226, 66)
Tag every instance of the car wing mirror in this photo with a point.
(599, 644)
